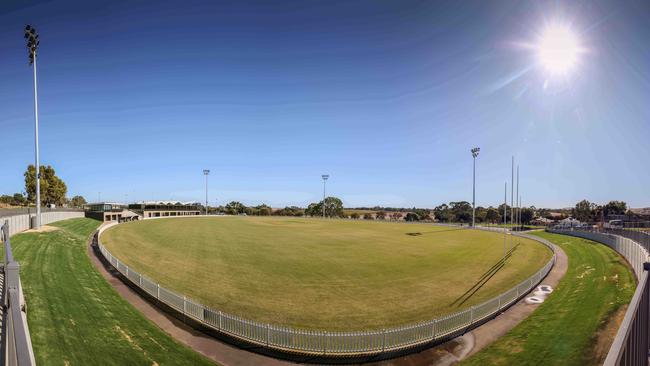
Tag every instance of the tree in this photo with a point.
(333, 208)
(396, 216)
(264, 210)
(77, 201)
(53, 189)
(462, 210)
(367, 216)
(527, 215)
(290, 211)
(492, 215)
(423, 215)
(500, 209)
(411, 216)
(615, 208)
(380, 215)
(235, 208)
(481, 214)
(583, 211)
(442, 213)
(314, 209)
(16, 200)
(354, 216)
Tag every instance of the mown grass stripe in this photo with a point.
(75, 316)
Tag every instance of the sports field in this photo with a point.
(324, 274)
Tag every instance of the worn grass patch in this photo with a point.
(327, 274)
(564, 330)
(75, 317)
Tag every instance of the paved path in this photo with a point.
(225, 354)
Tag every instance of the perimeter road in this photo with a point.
(225, 354)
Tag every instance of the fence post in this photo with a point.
(158, 291)
(220, 320)
(383, 340)
(268, 334)
(471, 315)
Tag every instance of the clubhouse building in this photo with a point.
(112, 211)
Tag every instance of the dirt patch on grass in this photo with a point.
(605, 336)
(43, 229)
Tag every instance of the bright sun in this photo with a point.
(558, 49)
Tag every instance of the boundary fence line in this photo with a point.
(330, 343)
(631, 343)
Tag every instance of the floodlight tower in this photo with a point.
(475, 152)
(32, 45)
(325, 177)
(206, 172)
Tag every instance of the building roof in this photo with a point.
(168, 203)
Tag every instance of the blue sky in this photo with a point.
(388, 97)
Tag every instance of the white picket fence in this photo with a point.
(330, 343)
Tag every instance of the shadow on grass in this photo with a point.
(485, 278)
(434, 231)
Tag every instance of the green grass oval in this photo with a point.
(324, 274)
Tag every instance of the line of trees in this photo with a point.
(461, 211)
(586, 211)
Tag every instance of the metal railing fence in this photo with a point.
(17, 344)
(330, 343)
(631, 343)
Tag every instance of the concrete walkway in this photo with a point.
(228, 355)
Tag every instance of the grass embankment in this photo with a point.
(576, 324)
(75, 317)
(323, 274)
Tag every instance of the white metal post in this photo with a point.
(37, 164)
(505, 214)
(324, 183)
(474, 191)
(206, 194)
(518, 208)
(325, 177)
(512, 197)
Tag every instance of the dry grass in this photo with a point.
(331, 274)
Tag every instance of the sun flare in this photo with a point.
(558, 49)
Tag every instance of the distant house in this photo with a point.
(569, 222)
(541, 221)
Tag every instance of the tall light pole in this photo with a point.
(505, 214)
(206, 172)
(325, 177)
(32, 46)
(512, 197)
(518, 209)
(475, 152)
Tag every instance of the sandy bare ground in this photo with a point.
(43, 229)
